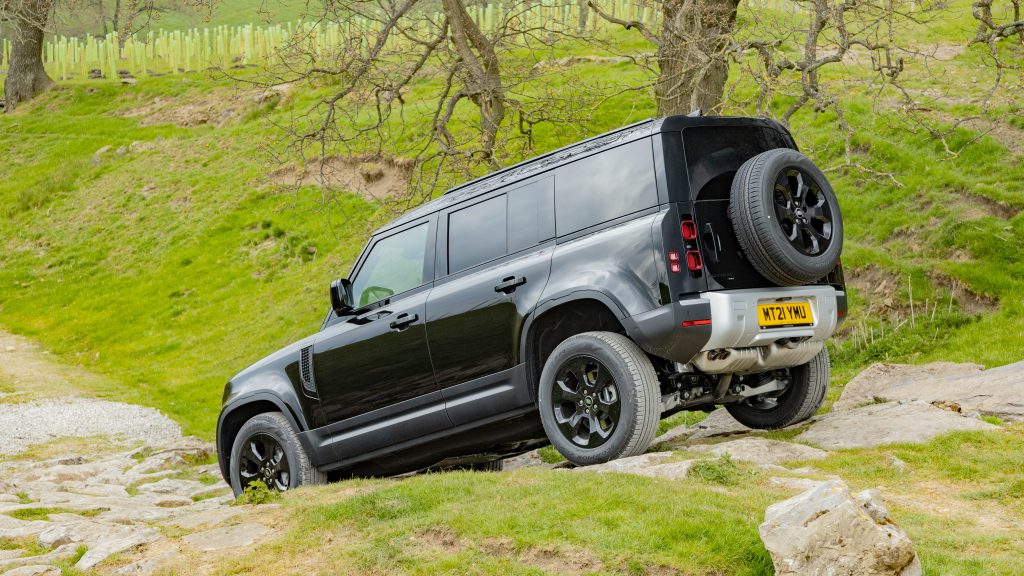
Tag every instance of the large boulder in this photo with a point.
(888, 423)
(997, 392)
(826, 531)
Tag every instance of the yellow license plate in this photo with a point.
(784, 314)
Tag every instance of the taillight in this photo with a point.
(693, 261)
(689, 323)
(689, 229)
(673, 262)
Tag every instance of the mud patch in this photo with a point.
(373, 177)
(971, 303)
(217, 108)
(877, 288)
(1009, 136)
(970, 206)
(561, 560)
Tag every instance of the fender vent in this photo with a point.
(306, 369)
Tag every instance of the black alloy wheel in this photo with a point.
(263, 458)
(803, 212)
(586, 402)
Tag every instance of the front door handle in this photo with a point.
(508, 285)
(402, 321)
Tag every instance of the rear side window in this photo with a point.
(477, 234)
(531, 216)
(605, 186)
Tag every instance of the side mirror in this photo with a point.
(341, 296)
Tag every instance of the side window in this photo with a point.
(605, 186)
(531, 214)
(394, 265)
(477, 234)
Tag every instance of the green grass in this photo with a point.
(28, 544)
(520, 523)
(532, 520)
(44, 513)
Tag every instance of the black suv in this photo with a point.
(576, 298)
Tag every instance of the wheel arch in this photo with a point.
(560, 317)
(236, 414)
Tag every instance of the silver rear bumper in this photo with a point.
(738, 344)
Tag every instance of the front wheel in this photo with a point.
(800, 400)
(268, 450)
(599, 398)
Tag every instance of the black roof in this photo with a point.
(547, 161)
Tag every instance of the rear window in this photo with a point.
(605, 186)
(714, 151)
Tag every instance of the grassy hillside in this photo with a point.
(142, 235)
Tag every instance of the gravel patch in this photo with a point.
(39, 421)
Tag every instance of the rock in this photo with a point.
(34, 570)
(55, 536)
(59, 553)
(673, 434)
(152, 564)
(889, 423)
(11, 553)
(172, 501)
(227, 537)
(794, 483)
(996, 392)
(530, 459)
(896, 463)
(97, 156)
(105, 547)
(762, 450)
(170, 486)
(651, 464)
(827, 531)
(205, 518)
(718, 423)
(9, 498)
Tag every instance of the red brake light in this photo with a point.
(693, 260)
(689, 229)
(688, 323)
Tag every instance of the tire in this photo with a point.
(786, 217)
(265, 429)
(808, 384)
(619, 423)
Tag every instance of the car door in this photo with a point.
(494, 258)
(373, 370)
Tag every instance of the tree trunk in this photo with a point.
(484, 85)
(26, 77)
(692, 58)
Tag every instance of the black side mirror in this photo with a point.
(341, 296)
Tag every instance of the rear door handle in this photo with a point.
(402, 321)
(712, 244)
(508, 285)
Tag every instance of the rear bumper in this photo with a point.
(735, 322)
(681, 332)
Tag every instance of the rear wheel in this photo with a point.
(267, 449)
(800, 400)
(599, 398)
